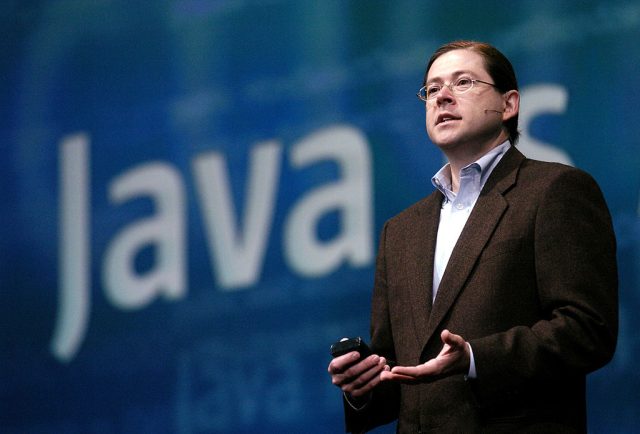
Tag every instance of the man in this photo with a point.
(497, 293)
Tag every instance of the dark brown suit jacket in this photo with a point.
(531, 285)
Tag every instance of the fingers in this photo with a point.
(413, 374)
(425, 373)
(391, 375)
(367, 380)
(356, 377)
(451, 339)
(339, 364)
(452, 359)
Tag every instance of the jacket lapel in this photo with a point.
(423, 252)
(486, 214)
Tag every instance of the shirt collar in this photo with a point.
(485, 164)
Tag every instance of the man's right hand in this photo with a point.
(356, 377)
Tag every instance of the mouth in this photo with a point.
(445, 118)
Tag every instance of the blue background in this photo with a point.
(170, 83)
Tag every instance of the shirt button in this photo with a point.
(459, 206)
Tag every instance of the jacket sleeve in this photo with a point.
(576, 279)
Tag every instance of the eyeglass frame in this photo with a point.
(450, 86)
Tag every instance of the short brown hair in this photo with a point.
(498, 67)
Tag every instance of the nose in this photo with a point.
(445, 95)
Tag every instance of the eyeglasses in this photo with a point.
(460, 86)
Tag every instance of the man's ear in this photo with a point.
(511, 104)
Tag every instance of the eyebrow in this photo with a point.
(455, 74)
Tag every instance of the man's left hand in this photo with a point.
(454, 358)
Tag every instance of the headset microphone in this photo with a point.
(495, 111)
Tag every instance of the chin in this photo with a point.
(445, 142)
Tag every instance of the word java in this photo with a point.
(236, 251)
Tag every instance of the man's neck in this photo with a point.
(462, 156)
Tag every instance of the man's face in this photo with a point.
(461, 120)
